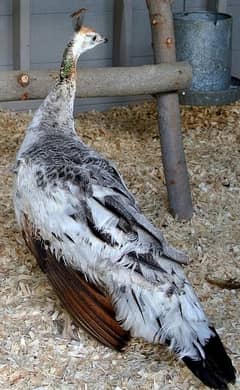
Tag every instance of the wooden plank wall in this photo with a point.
(233, 8)
(50, 29)
(6, 36)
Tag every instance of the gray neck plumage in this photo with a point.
(55, 114)
(57, 108)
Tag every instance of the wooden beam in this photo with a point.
(222, 6)
(174, 163)
(99, 82)
(21, 34)
(122, 32)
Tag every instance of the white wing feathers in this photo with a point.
(102, 233)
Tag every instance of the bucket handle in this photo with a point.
(216, 10)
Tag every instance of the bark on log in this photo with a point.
(99, 82)
(174, 163)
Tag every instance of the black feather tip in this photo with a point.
(216, 370)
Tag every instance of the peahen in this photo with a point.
(111, 268)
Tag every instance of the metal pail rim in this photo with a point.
(181, 16)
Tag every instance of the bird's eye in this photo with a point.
(94, 38)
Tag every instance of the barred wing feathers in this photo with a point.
(97, 237)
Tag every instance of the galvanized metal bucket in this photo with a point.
(205, 40)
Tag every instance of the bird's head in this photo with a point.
(85, 38)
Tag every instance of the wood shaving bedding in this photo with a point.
(40, 348)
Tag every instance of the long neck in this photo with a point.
(68, 67)
(57, 108)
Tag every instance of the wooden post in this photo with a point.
(222, 6)
(21, 34)
(169, 114)
(122, 32)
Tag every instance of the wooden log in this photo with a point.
(174, 163)
(99, 82)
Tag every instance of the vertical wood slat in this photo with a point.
(169, 121)
(21, 34)
(222, 6)
(122, 32)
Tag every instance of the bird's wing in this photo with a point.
(89, 306)
(86, 221)
(109, 190)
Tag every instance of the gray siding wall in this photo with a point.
(50, 29)
(234, 10)
(6, 53)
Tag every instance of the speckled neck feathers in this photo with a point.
(55, 114)
(57, 108)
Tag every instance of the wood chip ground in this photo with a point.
(40, 348)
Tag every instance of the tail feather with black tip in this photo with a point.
(216, 370)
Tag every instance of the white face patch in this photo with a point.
(85, 40)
